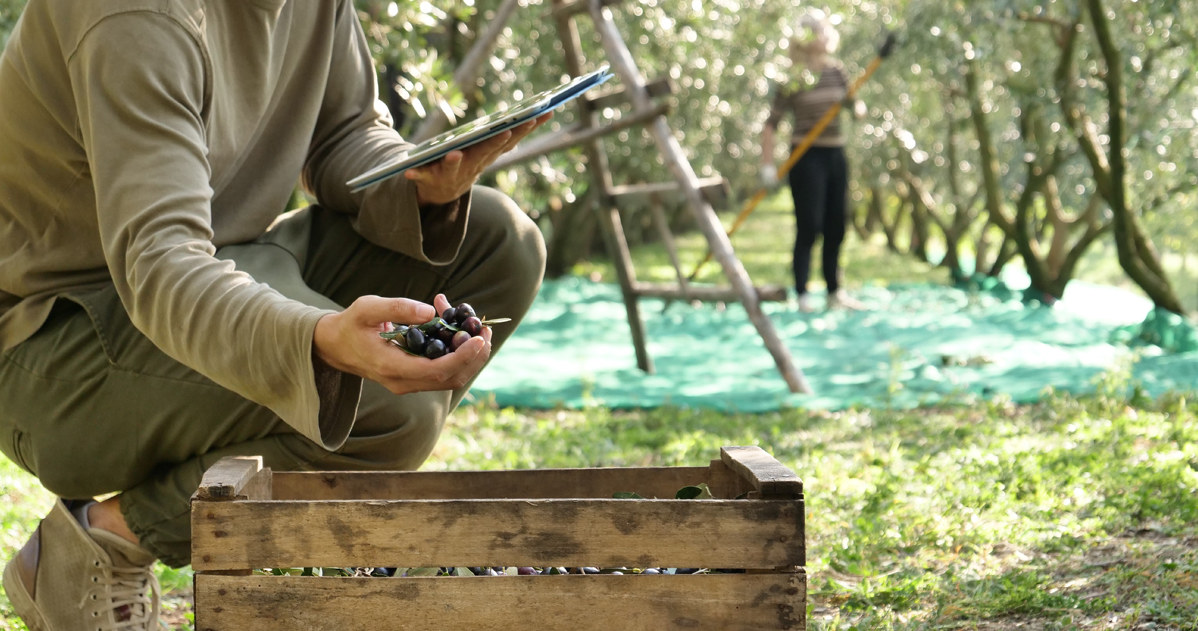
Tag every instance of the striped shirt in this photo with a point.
(809, 105)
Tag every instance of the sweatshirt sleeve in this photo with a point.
(139, 85)
(354, 134)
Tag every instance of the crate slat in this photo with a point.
(770, 478)
(235, 477)
(659, 482)
(554, 532)
(723, 602)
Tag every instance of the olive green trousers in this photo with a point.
(90, 406)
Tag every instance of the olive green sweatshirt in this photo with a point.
(137, 136)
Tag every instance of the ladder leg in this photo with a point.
(622, 63)
(617, 245)
(609, 215)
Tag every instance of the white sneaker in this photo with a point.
(805, 303)
(841, 300)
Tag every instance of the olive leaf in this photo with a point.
(397, 332)
(399, 343)
(697, 492)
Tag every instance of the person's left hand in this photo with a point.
(452, 176)
(856, 107)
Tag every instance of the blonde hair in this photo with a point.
(815, 25)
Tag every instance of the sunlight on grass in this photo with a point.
(931, 518)
(1069, 512)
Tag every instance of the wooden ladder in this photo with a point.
(649, 113)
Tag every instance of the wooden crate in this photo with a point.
(246, 517)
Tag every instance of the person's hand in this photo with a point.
(452, 176)
(855, 106)
(349, 341)
(769, 176)
(859, 109)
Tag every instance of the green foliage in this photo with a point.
(1014, 48)
(722, 57)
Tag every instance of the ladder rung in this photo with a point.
(615, 98)
(711, 188)
(570, 8)
(572, 136)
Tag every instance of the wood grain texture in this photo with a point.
(562, 532)
(649, 482)
(717, 602)
(235, 477)
(770, 478)
(245, 517)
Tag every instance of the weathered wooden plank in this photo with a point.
(772, 479)
(730, 484)
(235, 477)
(718, 602)
(416, 533)
(601, 482)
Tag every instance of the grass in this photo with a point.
(1065, 514)
(1072, 513)
(1068, 514)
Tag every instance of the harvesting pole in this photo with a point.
(800, 149)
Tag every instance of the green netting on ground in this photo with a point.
(915, 345)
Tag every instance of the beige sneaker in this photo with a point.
(68, 579)
(841, 300)
(805, 305)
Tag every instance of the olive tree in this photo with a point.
(1006, 127)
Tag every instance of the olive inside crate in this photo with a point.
(246, 517)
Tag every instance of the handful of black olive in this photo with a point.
(443, 334)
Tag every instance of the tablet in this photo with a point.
(482, 128)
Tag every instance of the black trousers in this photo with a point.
(819, 187)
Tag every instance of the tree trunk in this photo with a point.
(1137, 256)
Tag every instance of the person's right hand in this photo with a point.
(349, 341)
(450, 177)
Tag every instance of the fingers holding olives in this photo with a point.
(441, 335)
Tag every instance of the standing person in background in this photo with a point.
(157, 312)
(819, 180)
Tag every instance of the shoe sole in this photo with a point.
(21, 602)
